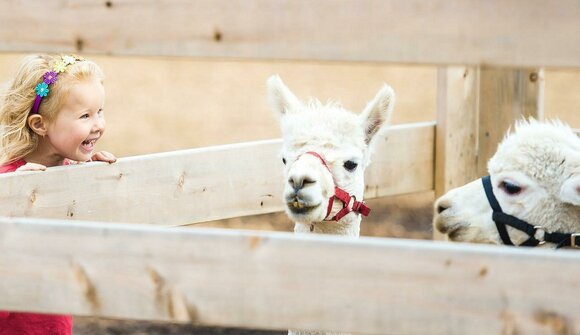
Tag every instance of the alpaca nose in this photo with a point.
(300, 181)
(441, 205)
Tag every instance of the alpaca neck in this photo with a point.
(349, 225)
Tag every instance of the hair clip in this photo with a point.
(50, 77)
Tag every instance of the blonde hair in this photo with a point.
(16, 100)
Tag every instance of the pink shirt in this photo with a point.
(12, 166)
(18, 323)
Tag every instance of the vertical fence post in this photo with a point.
(506, 95)
(475, 108)
(457, 124)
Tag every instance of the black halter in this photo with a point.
(502, 219)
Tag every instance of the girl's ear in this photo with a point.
(37, 124)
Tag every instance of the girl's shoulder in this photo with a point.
(11, 167)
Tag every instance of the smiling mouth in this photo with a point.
(87, 142)
(88, 145)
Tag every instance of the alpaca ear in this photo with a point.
(570, 191)
(378, 112)
(281, 98)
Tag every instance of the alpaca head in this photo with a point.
(535, 176)
(340, 137)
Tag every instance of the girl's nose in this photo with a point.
(99, 124)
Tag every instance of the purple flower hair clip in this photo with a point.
(50, 77)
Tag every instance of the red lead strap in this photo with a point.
(350, 202)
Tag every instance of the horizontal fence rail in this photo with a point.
(281, 280)
(211, 183)
(493, 32)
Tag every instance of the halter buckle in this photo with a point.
(543, 238)
(574, 243)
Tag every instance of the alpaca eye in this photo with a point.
(350, 165)
(284, 161)
(510, 188)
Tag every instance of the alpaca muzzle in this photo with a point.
(350, 203)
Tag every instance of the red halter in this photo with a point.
(350, 204)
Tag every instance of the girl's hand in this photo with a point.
(103, 156)
(31, 167)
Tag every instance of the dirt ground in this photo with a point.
(164, 104)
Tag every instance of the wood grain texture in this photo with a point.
(495, 32)
(476, 108)
(281, 280)
(457, 127)
(506, 95)
(183, 187)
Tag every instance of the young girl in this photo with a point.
(51, 114)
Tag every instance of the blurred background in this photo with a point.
(161, 104)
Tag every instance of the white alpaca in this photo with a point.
(535, 177)
(341, 139)
(325, 147)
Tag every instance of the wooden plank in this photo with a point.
(392, 170)
(494, 32)
(506, 95)
(476, 107)
(197, 185)
(457, 127)
(263, 280)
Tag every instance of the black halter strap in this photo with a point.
(502, 219)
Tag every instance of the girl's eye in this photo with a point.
(510, 188)
(85, 116)
(350, 165)
(284, 161)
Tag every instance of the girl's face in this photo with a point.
(80, 122)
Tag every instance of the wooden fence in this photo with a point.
(278, 280)
(196, 185)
